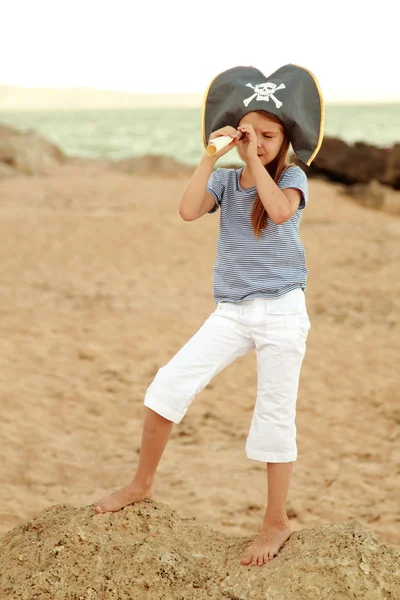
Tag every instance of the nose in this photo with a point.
(259, 141)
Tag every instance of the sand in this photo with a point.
(102, 282)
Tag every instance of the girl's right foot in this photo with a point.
(128, 495)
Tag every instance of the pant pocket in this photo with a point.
(292, 322)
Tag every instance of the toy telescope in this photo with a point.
(219, 143)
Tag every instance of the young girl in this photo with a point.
(259, 288)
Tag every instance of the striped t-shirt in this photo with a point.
(247, 267)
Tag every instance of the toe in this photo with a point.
(260, 561)
(254, 561)
(246, 560)
(266, 558)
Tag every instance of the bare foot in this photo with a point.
(128, 495)
(267, 544)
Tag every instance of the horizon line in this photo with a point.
(197, 95)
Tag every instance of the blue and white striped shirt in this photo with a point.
(247, 267)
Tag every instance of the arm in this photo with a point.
(196, 200)
(279, 204)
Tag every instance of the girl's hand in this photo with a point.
(231, 132)
(249, 143)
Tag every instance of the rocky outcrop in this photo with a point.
(392, 173)
(26, 153)
(148, 551)
(370, 195)
(353, 164)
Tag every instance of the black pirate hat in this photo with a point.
(292, 94)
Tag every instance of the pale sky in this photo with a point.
(174, 46)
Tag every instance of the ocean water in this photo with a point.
(176, 132)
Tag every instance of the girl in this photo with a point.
(259, 288)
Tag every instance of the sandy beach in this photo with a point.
(102, 282)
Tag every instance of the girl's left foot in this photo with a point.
(267, 544)
(128, 495)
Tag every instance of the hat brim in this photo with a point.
(292, 94)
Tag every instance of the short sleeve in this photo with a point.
(294, 177)
(216, 188)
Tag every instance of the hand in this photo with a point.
(231, 132)
(249, 143)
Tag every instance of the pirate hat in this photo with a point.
(291, 93)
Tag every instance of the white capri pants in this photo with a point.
(277, 329)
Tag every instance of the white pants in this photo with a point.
(277, 329)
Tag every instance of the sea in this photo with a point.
(176, 132)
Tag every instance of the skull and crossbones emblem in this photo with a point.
(264, 91)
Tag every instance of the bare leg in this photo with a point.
(276, 527)
(155, 435)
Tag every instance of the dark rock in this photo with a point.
(360, 163)
(392, 173)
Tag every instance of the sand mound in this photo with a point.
(148, 551)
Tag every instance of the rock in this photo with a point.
(27, 152)
(369, 173)
(148, 551)
(88, 161)
(392, 173)
(150, 164)
(7, 171)
(337, 161)
(370, 195)
(392, 202)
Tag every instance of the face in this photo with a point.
(270, 135)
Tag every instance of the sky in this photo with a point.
(175, 46)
